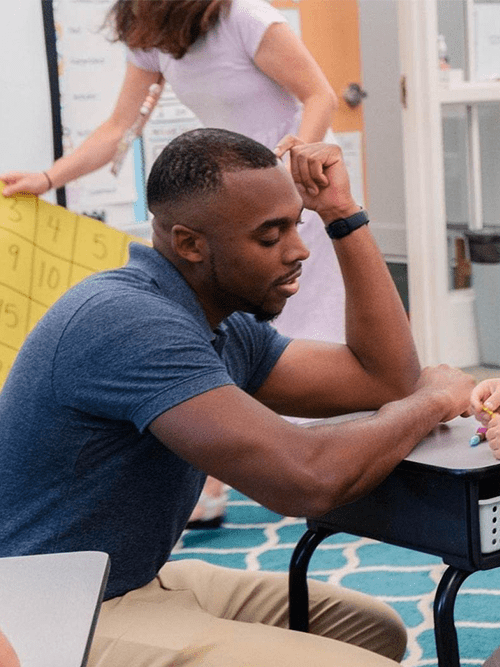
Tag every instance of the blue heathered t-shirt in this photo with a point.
(79, 468)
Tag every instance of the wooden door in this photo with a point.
(330, 30)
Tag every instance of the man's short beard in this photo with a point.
(245, 306)
(262, 315)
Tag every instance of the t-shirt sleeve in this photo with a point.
(255, 348)
(132, 358)
(251, 18)
(147, 60)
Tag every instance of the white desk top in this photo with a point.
(48, 604)
(447, 446)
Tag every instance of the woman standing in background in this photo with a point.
(237, 65)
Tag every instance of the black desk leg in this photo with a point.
(444, 622)
(298, 597)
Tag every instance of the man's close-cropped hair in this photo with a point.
(194, 162)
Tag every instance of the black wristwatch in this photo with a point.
(344, 226)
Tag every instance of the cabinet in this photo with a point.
(452, 172)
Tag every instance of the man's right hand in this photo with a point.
(320, 176)
(35, 183)
(452, 388)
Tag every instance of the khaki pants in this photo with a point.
(194, 613)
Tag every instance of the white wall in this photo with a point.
(25, 113)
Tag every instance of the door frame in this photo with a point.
(442, 320)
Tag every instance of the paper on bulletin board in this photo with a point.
(487, 41)
(169, 119)
(91, 71)
(351, 144)
(44, 250)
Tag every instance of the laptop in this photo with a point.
(49, 605)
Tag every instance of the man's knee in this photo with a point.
(339, 613)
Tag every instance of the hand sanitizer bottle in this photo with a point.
(444, 64)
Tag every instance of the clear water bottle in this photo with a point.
(443, 61)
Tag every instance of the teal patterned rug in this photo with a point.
(254, 538)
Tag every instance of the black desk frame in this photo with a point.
(422, 507)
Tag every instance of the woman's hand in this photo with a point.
(35, 183)
(485, 401)
(493, 435)
(486, 394)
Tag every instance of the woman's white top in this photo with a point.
(218, 80)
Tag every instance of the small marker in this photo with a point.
(490, 412)
(479, 436)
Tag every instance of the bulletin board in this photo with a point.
(86, 70)
(44, 250)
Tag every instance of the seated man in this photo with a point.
(140, 381)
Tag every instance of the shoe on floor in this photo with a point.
(210, 511)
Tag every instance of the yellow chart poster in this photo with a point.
(44, 250)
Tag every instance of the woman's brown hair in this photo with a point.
(169, 25)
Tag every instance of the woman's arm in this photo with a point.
(99, 147)
(283, 57)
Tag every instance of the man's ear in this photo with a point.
(187, 243)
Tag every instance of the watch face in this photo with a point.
(344, 226)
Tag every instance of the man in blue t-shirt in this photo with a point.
(140, 381)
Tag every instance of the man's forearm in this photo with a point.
(377, 327)
(373, 446)
(347, 460)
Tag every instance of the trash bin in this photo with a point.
(484, 251)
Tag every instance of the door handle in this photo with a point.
(354, 95)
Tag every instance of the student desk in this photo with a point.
(443, 499)
(49, 605)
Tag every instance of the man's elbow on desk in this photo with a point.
(343, 481)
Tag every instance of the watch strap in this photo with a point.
(344, 226)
